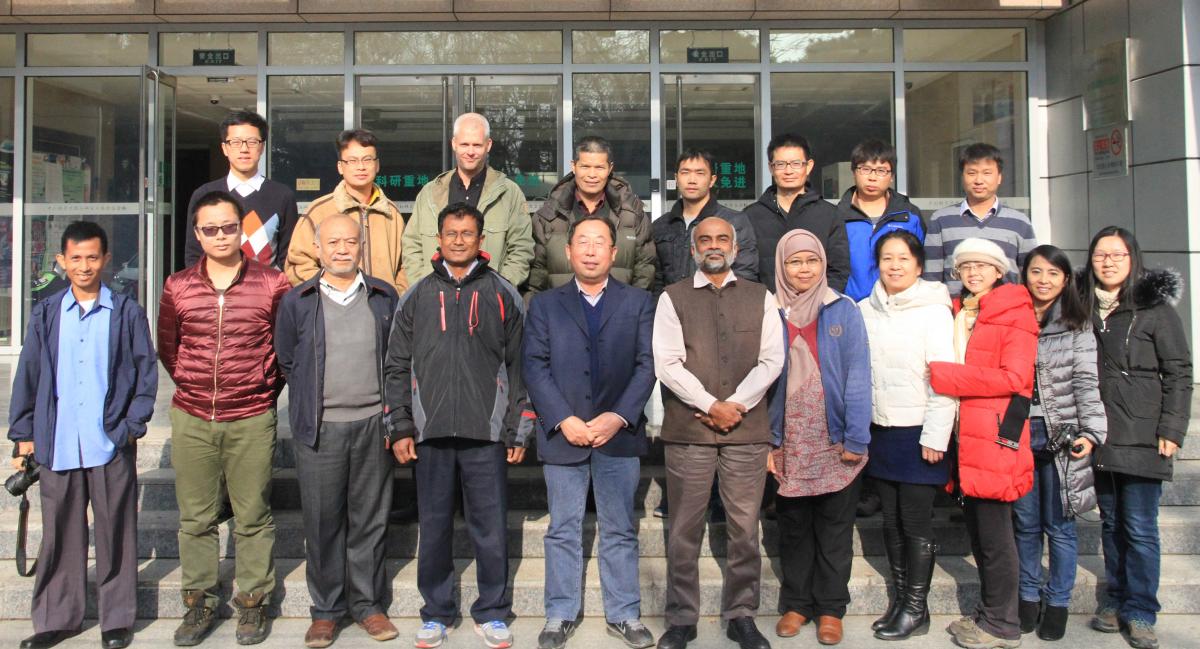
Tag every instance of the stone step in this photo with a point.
(1179, 529)
(527, 489)
(955, 587)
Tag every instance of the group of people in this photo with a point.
(802, 347)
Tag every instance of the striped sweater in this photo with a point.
(1004, 226)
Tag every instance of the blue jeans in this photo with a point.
(1129, 530)
(615, 482)
(1041, 512)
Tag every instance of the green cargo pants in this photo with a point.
(241, 451)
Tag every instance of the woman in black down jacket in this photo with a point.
(1146, 386)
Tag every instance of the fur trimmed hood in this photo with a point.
(1158, 287)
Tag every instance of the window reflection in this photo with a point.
(457, 47)
(617, 108)
(831, 46)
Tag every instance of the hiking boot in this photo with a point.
(197, 621)
(431, 634)
(252, 618)
(961, 624)
(1141, 635)
(973, 637)
(1106, 620)
(495, 634)
(554, 635)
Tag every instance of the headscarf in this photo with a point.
(801, 308)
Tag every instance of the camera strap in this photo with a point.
(22, 530)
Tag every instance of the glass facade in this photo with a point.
(82, 147)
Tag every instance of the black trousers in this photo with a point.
(989, 523)
(345, 490)
(60, 587)
(907, 508)
(816, 550)
(480, 468)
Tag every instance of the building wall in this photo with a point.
(1162, 191)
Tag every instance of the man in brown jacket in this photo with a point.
(718, 348)
(358, 196)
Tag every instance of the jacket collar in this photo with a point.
(617, 195)
(710, 208)
(491, 186)
(345, 202)
(374, 284)
(481, 268)
(768, 199)
(202, 269)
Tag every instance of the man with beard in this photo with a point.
(718, 347)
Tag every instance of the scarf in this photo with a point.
(964, 323)
(1106, 301)
(801, 308)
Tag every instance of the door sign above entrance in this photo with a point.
(708, 55)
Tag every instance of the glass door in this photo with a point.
(159, 102)
(413, 117)
(718, 113)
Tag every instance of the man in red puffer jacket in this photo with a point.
(215, 338)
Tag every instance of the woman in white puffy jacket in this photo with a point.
(909, 324)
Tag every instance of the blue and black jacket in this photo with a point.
(862, 234)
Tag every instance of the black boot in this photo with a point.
(1028, 614)
(1054, 623)
(893, 544)
(913, 616)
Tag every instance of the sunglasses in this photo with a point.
(211, 231)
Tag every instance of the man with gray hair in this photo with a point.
(509, 242)
(591, 189)
(718, 347)
(331, 335)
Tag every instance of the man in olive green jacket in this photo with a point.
(508, 239)
(591, 189)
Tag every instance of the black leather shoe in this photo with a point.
(677, 637)
(116, 638)
(743, 631)
(47, 639)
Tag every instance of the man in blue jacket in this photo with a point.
(83, 392)
(331, 335)
(589, 369)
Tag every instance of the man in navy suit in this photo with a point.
(589, 370)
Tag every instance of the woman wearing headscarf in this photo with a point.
(822, 423)
(995, 341)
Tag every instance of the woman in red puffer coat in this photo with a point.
(995, 338)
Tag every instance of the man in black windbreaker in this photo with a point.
(456, 405)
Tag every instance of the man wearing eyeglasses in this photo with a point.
(871, 209)
(215, 324)
(270, 207)
(790, 203)
(359, 197)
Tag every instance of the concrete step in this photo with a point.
(288, 633)
(527, 489)
(1179, 529)
(955, 587)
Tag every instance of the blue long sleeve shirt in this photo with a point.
(81, 379)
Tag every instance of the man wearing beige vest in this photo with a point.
(718, 348)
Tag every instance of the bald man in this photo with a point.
(509, 240)
(331, 335)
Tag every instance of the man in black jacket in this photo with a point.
(331, 333)
(694, 178)
(456, 401)
(790, 203)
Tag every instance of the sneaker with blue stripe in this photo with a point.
(495, 634)
(431, 635)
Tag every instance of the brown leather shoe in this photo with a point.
(789, 625)
(379, 627)
(320, 633)
(829, 629)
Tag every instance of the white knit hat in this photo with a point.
(981, 250)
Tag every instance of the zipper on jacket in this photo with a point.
(217, 354)
(364, 218)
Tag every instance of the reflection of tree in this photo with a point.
(305, 118)
(831, 45)
(524, 121)
(617, 108)
(458, 47)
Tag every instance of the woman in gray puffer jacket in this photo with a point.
(1066, 421)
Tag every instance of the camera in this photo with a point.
(18, 483)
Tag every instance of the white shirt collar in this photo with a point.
(470, 269)
(245, 187)
(700, 280)
(592, 299)
(337, 295)
(965, 208)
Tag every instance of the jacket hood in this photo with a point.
(923, 293)
(1009, 305)
(1158, 287)
(897, 202)
(617, 193)
(810, 195)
